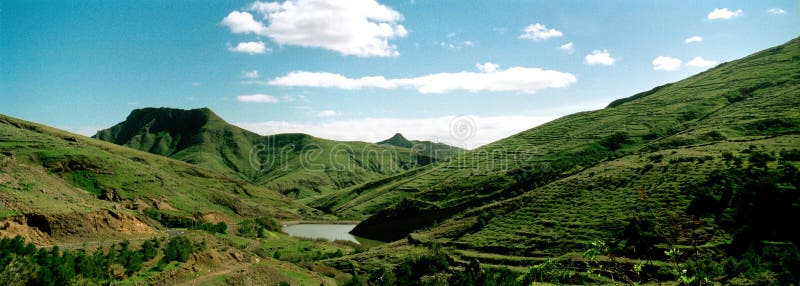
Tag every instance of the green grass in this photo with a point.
(49, 171)
(554, 189)
(297, 165)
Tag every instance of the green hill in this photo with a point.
(709, 161)
(297, 165)
(432, 149)
(57, 186)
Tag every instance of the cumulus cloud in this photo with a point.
(249, 48)
(360, 28)
(258, 98)
(327, 113)
(776, 11)
(702, 63)
(487, 67)
(599, 57)
(538, 32)
(250, 74)
(519, 79)
(568, 48)
(485, 129)
(693, 39)
(243, 22)
(662, 63)
(723, 14)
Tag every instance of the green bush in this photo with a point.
(23, 264)
(219, 227)
(614, 141)
(178, 248)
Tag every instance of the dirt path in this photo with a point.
(200, 280)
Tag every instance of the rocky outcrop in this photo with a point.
(45, 229)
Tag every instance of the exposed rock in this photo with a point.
(11, 227)
(44, 229)
(163, 206)
(213, 218)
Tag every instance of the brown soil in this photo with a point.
(45, 229)
(164, 206)
(11, 227)
(214, 218)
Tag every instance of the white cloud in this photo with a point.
(700, 62)
(663, 63)
(258, 98)
(520, 79)
(538, 32)
(776, 11)
(250, 74)
(360, 28)
(249, 48)
(457, 45)
(568, 48)
(243, 22)
(487, 67)
(327, 113)
(723, 14)
(485, 129)
(599, 57)
(693, 39)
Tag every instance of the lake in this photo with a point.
(329, 231)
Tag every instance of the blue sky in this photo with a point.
(363, 70)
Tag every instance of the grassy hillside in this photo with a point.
(55, 185)
(694, 163)
(297, 165)
(435, 150)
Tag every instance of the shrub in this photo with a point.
(219, 227)
(614, 141)
(178, 249)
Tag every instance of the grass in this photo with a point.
(550, 192)
(554, 189)
(48, 171)
(297, 165)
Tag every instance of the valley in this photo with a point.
(694, 182)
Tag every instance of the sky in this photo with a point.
(461, 72)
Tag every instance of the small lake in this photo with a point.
(328, 231)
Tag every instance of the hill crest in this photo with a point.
(295, 164)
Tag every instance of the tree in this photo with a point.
(20, 270)
(178, 249)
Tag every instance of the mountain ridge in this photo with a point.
(668, 117)
(63, 187)
(295, 164)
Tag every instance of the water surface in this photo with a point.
(328, 231)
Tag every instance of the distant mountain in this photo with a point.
(434, 150)
(710, 160)
(60, 187)
(297, 165)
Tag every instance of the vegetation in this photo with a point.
(297, 165)
(258, 227)
(694, 182)
(220, 227)
(436, 151)
(27, 265)
(653, 177)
